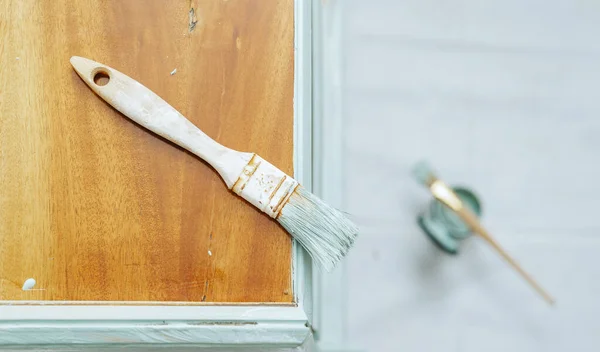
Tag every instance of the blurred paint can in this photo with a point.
(443, 226)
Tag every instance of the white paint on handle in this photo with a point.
(209, 253)
(29, 284)
(173, 72)
(265, 186)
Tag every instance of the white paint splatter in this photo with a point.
(209, 253)
(29, 284)
(18, 58)
(173, 72)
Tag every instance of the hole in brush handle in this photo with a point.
(101, 76)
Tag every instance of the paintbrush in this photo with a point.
(443, 193)
(323, 231)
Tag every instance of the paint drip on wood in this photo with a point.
(29, 284)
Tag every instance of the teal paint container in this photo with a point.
(443, 226)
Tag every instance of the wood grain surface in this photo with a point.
(94, 207)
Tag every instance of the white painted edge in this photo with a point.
(330, 297)
(302, 262)
(151, 332)
(54, 326)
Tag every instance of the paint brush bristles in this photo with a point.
(423, 173)
(323, 231)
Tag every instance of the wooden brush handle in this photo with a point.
(247, 174)
(150, 111)
(471, 220)
(446, 196)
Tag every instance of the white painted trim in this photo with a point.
(328, 164)
(169, 332)
(302, 265)
(55, 324)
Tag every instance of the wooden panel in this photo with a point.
(94, 207)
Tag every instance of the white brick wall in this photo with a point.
(500, 95)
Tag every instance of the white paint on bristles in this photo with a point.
(173, 72)
(29, 284)
(325, 232)
(18, 58)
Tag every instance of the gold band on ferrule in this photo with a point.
(246, 174)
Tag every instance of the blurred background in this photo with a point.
(502, 97)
